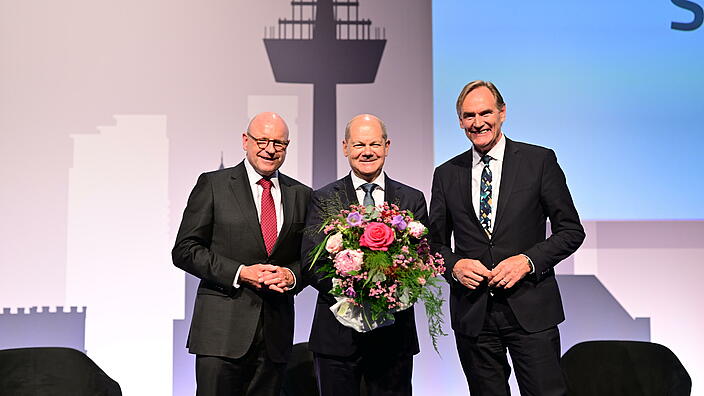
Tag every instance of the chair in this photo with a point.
(624, 368)
(52, 372)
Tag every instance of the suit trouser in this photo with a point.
(254, 374)
(535, 356)
(383, 374)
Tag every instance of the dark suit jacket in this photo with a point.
(533, 188)
(219, 233)
(327, 335)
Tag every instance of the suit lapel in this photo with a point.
(239, 184)
(464, 179)
(346, 189)
(512, 161)
(390, 195)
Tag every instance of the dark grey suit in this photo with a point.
(383, 356)
(220, 232)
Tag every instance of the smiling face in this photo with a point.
(481, 119)
(265, 126)
(365, 147)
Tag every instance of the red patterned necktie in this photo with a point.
(268, 219)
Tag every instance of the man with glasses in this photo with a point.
(241, 235)
(495, 199)
(383, 357)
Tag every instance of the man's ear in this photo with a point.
(345, 148)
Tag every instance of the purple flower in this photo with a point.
(354, 219)
(398, 222)
(349, 292)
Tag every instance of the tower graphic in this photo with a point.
(324, 44)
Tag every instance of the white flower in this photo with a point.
(334, 243)
(416, 229)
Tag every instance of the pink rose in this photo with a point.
(334, 243)
(377, 236)
(416, 229)
(348, 260)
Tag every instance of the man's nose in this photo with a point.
(270, 149)
(477, 122)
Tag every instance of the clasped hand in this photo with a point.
(505, 275)
(260, 276)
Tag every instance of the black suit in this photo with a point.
(533, 188)
(220, 232)
(379, 350)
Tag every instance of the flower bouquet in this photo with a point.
(380, 263)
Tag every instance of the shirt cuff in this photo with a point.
(293, 286)
(236, 283)
(530, 263)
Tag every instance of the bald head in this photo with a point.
(265, 142)
(267, 121)
(365, 120)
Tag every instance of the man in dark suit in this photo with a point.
(495, 199)
(383, 357)
(241, 235)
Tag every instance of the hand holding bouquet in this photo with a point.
(380, 263)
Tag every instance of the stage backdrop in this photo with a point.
(109, 112)
(616, 89)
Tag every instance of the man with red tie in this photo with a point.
(241, 235)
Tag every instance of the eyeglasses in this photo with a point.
(262, 143)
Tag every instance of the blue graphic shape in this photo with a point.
(41, 328)
(592, 313)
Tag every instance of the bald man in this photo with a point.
(343, 357)
(241, 235)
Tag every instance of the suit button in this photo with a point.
(491, 244)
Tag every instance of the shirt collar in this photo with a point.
(254, 177)
(379, 181)
(497, 152)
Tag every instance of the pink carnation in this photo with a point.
(348, 261)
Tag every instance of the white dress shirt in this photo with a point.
(377, 194)
(496, 165)
(257, 191)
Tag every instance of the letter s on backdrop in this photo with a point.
(695, 8)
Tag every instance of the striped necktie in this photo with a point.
(368, 188)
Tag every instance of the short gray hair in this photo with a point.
(474, 85)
